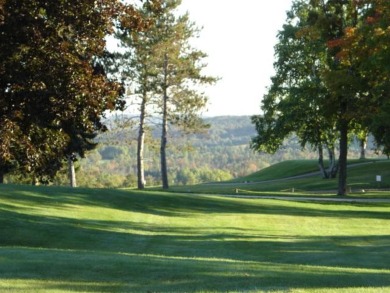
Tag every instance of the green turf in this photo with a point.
(86, 240)
(281, 170)
(361, 177)
(291, 168)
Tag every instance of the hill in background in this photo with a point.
(222, 153)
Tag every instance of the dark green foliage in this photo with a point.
(294, 102)
(326, 79)
(53, 88)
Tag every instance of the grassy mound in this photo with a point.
(303, 176)
(283, 169)
(85, 240)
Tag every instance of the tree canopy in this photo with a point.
(53, 86)
(166, 70)
(326, 76)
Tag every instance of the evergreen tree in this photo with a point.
(166, 71)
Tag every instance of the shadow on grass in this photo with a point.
(128, 256)
(112, 272)
(171, 204)
(81, 255)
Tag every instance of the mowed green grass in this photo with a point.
(86, 240)
(303, 176)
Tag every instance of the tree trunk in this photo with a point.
(1, 176)
(333, 165)
(321, 162)
(140, 147)
(71, 172)
(164, 168)
(331, 171)
(163, 155)
(363, 145)
(342, 188)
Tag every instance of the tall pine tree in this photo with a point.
(166, 72)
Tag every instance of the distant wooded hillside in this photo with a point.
(221, 153)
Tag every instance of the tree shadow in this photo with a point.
(128, 256)
(191, 257)
(94, 271)
(169, 204)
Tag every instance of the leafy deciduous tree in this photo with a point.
(52, 86)
(333, 38)
(294, 101)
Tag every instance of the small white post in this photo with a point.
(379, 179)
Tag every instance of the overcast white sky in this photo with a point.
(239, 37)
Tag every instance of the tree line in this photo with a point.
(332, 81)
(58, 81)
(220, 154)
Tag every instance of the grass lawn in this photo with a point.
(86, 240)
(279, 178)
(282, 170)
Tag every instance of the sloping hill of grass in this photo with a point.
(302, 175)
(87, 240)
(280, 170)
(291, 168)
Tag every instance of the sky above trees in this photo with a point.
(239, 37)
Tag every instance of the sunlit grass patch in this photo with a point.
(63, 240)
(294, 178)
